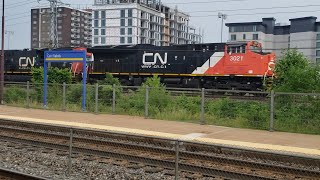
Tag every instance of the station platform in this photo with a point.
(253, 139)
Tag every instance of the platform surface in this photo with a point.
(255, 139)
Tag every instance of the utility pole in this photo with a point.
(2, 59)
(9, 33)
(222, 17)
(53, 33)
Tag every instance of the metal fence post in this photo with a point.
(64, 96)
(70, 152)
(146, 111)
(272, 111)
(114, 99)
(96, 101)
(176, 169)
(202, 120)
(28, 94)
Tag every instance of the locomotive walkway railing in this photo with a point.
(273, 111)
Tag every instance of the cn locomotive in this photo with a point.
(239, 65)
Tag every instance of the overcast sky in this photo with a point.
(203, 14)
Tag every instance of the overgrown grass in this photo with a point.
(298, 114)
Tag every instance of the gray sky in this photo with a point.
(203, 14)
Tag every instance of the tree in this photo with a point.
(294, 73)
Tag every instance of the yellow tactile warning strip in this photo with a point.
(247, 145)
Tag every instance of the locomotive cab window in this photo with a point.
(236, 49)
(255, 49)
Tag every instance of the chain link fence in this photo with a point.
(274, 111)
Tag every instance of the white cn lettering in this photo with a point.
(26, 61)
(156, 57)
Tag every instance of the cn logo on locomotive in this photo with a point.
(25, 62)
(149, 60)
(154, 59)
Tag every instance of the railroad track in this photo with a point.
(161, 153)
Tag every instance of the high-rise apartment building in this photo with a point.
(302, 34)
(120, 22)
(74, 27)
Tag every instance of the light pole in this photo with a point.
(2, 59)
(9, 33)
(222, 17)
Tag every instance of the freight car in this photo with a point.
(241, 65)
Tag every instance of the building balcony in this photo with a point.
(154, 30)
(75, 41)
(143, 18)
(75, 37)
(143, 35)
(75, 25)
(75, 19)
(154, 22)
(73, 30)
(75, 14)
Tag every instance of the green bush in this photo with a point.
(15, 95)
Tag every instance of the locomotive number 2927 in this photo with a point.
(236, 58)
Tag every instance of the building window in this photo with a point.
(96, 41)
(96, 23)
(244, 36)
(233, 37)
(122, 22)
(318, 44)
(129, 22)
(96, 15)
(123, 13)
(318, 28)
(129, 12)
(129, 31)
(122, 31)
(122, 40)
(318, 61)
(318, 53)
(34, 22)
(103, 40)
(129, 40)
(231, 29)
(96, 31)
(255, 37)
(103, 23)
(254, 28)
(103, 14)
(34, 11)
(103, 32)
(318, 36)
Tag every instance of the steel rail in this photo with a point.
(183, 154)
(123, 135)
(138, 159)
(12, 174)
